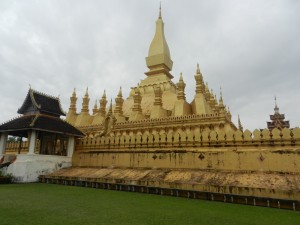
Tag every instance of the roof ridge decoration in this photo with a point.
(50, 96)
(44, 94)
(7, 121)
(34, 120)
(31, 91)
(59, 105)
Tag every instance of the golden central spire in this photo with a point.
(159, 54)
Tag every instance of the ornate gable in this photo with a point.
(37, 102)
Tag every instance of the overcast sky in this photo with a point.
(251, 48)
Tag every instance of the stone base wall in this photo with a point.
(255, 184)
(27, 168)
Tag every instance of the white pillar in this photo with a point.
(32, 142)
(3, 140)
(71, 145)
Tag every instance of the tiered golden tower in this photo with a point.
(156, 97)
(156, 138)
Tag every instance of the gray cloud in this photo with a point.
(250, 48)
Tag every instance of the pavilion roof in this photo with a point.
(41, 122)
(43, 103)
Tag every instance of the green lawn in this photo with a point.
(55, 204)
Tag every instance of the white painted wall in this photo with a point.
(3, 140)
(27, 168)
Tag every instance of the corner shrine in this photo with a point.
(47, 134)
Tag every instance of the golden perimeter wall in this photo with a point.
(276, 151)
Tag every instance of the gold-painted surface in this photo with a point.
(161, 139)
(272, 185)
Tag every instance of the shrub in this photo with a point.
(5, 178)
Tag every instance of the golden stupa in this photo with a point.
(156, 139)
(157, 98)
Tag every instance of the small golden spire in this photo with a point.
(158, 95)
(73, 100)
(198, 69)
(221, 96)
(110, 107)
(180, 77)
(103, 102)
(119, 103)
(228, 110)
(74, 92)
(181, 87)
(137, 99)
(240, 124)
(120, 92)
(95, 109)
(85, 102)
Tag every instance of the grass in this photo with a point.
(54, 204)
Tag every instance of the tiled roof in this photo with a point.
(41, 122)
(43, 103)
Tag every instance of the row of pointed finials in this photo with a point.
(103, 102)
(209, 96)
(201, 89)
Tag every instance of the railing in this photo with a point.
(189, 139)
(16, 147)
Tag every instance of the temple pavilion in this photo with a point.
(41, 124)
(277, 120)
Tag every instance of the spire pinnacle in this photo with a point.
(239, 123)
(180, 78)
(276, 109)
(95, 109)
(74, 92)
(73, 100)
(181, 87)
(103, 102)
(85, 102)
(221, 95)
(198, 69)
(120, 92)
(159, 16)
(119, 104)
(159, 53)
(110, 107)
